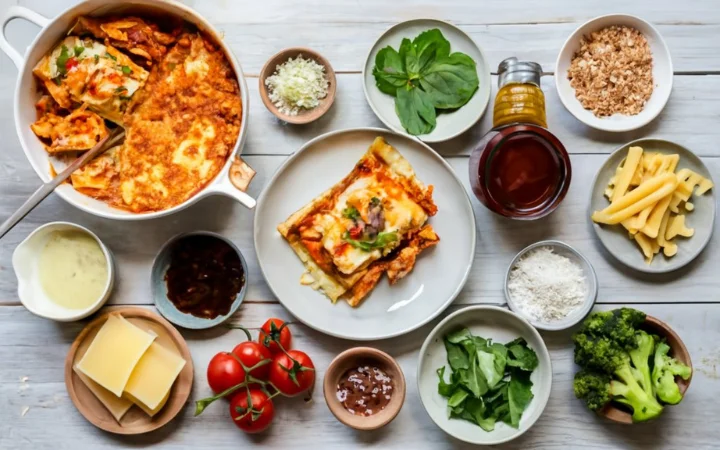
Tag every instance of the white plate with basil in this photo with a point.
(428, 79)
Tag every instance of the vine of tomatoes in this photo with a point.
(255, 372)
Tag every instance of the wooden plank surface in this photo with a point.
(52, 421)
(344, 31)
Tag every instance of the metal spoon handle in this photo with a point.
(47, 188)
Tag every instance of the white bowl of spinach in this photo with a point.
(428, 79)
(484, 375)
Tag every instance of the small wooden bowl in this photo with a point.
(305, 115)
(135, 421)
(351, 359)
(677, 351)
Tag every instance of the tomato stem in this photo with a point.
(240, 327)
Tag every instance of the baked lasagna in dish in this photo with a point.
(371, 223)
(174, 92)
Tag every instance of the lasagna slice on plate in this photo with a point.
(372, 222)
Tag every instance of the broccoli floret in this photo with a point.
(664, 372)
(615, 358)
(640, 357)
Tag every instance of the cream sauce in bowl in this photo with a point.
(64, 272)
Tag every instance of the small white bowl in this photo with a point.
(501, 326)
(662, 75)
(31, 294)
(591, 283)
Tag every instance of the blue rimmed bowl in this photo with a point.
(160, 291)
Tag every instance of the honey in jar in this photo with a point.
(520, 169)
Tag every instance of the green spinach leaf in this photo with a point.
(519, 395)
(445, 389)
(521, 356)
(456, 356)
(415, 109)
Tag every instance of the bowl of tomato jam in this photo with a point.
(520, 171)
(198, 279)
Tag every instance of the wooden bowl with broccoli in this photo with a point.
(633, 366)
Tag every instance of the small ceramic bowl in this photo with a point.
(305, 115)
(591, 283)
(159, 287)
(30, 292)
(351, 359)
(677, 351)
(662, 75)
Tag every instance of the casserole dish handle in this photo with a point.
(236, 181)
(18, 12)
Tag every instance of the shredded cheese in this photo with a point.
(546, 286)
(297, 84)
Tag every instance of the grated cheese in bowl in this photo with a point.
(297, 84)
(547, 287)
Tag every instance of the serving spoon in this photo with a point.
(43, 191)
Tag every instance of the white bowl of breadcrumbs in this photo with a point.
(614, 73)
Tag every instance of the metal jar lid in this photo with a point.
(511, 70)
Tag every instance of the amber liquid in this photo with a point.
(524, 173)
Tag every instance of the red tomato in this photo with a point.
(255, 415)
(224, 372)
(271, 330)
(70, 63)
(250, 353)
(355, 232)
(282, 370)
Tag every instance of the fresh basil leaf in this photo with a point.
(486, 364)
(445, 389)
(78, 50)
(382, 240)
(351, 213)
(458, 336)
(474, 379)
(62, 60)
(416, 111)
(521, 356)
(457, 398)
(409, 58)
(480, 414)
(519, 395)
(389, 71)
(429, 46)
(450, 81)
(456, 356)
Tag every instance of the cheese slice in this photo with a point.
(114, 353)
(152, 378)
(117, 406)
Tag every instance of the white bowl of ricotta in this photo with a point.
(551, 284)
(64, 272)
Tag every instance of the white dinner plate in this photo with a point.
(450, 123)
(702, 218)
(502, 326)
(438, 276)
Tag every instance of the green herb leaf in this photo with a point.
(459, 336)
(519, 395)
(521, 356)
(457, 398)
(58, 80)
(389, 71)
(450, 81)
(456, 356)
(416, 111)
(109, 56)
(430, 45)
(96, 58)
(126, 70)
(78, 50)
(62, 60)
(445, 389)
(486, 363)
(381, 241)
(409, 58)
(351, 213)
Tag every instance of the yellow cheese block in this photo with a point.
(114, 353)
(117, 406)
(141, 405)
(153, 377)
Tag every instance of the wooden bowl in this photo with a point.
(351, 359)
(305, 115)
(677, 351)
(135, 421)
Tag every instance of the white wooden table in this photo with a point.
(343, 31)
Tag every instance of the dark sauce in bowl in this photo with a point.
(365, 390)
(204, 277)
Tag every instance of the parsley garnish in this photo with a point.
(351, 213)
(97, 58)
(126, 70)
(381, 241)
(108, 55)
(79, 50)
(58, 80)
(62, 60)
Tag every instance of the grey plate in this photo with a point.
(591, 283)
(702, 218)
(449, 124)
(159, 287)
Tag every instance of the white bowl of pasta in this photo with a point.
(154, 67)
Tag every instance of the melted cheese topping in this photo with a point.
(402, 214)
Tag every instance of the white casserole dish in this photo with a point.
(231, 181)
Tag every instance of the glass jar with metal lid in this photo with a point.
(519, 169)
